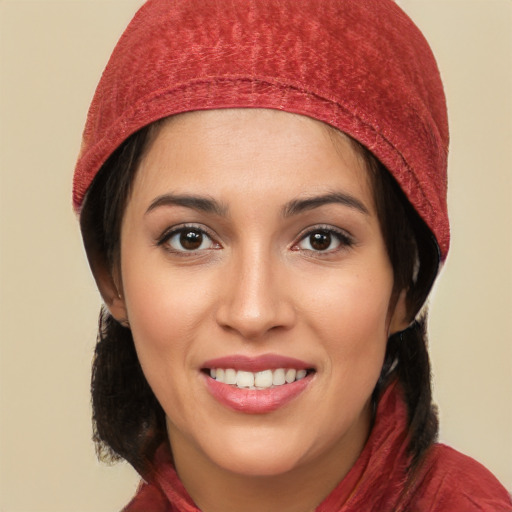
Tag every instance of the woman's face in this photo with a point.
(251, 250)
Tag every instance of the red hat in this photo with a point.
(361, 66)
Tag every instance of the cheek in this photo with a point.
(350, 313)
(166, 315)
(165, 310)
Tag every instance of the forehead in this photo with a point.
(223, 152)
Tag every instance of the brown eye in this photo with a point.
(188, 239)
(325, 240)
(191, 240)
(320, 241)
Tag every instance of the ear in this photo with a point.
(109, 285)
(399, 318)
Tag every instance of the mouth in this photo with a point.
(257, 385)
(265, 379)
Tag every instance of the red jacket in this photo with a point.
(446, 481)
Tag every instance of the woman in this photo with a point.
(262, 196)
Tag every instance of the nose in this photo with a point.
(256, 297)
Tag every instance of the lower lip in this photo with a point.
(251, 401)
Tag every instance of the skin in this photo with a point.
(257, 284)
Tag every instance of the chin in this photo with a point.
(255, 464)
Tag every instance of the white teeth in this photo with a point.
(300, 374)
(263, 379)
(259, 380)
(278, 378)
(230, 376)
(244, 379)
(290, 375)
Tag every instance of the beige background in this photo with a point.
(51, 56)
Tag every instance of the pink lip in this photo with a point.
(256, 364)
(251, 401)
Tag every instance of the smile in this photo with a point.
(257, 385)
(265, 379)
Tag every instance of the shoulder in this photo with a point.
(449, 481)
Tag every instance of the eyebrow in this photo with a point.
(294, 207)
(204, 204)
(301, 205)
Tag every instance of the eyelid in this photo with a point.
(346, 239)
(179, 228)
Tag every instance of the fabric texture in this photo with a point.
(446, 481)
(360, 66)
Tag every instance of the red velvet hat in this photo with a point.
(361, 66)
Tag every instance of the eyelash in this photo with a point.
(343, 239)
(168, 235)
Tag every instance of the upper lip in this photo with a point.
(256, 364)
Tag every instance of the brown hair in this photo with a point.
(128, 421)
